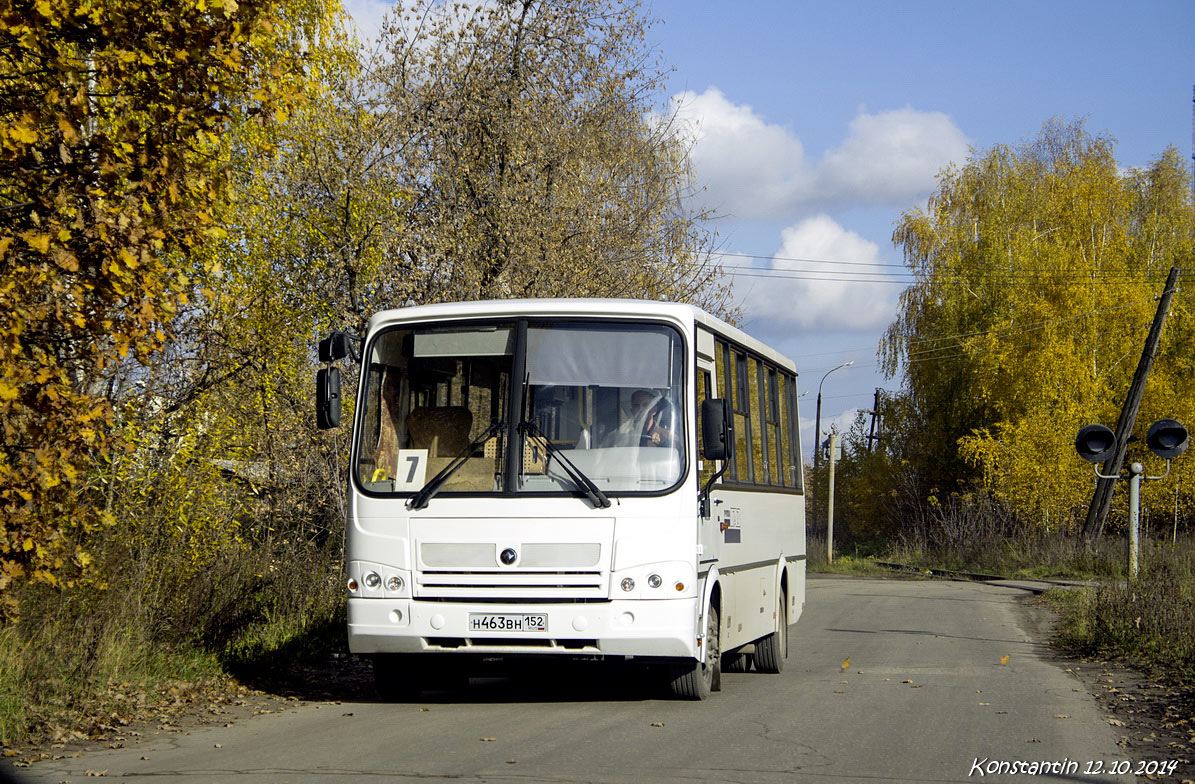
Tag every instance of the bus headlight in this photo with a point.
(394, 583)
(628, 584)
(372, 580)
(654, 580)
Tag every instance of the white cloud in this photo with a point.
(747, 165)
(754, 169)
(890, 157)
(787, 294)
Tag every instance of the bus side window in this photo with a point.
(703, 393)
(742, 419)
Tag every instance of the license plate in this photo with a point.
(521, 622)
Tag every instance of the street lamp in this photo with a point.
(817, 427)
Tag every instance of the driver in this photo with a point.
(649, 422)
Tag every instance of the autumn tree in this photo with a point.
(537, 160)
(1036, 271)
(113, 121)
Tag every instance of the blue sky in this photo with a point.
(817, 124)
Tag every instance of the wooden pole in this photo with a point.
(1101, 499)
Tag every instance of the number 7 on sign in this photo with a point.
(412, 469)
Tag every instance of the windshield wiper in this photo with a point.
(596, 496)
(420, 499)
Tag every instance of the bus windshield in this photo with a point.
(599, 398)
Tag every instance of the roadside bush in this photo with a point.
(1151, 618)
(96, 655)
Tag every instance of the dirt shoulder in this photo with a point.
(1153, 715)
(180, 708)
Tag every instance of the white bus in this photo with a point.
(546, 478)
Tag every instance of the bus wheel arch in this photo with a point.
(695, 679)
(771, 651)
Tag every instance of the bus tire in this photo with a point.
(771, 651)
(737, 662)
(693, 679)
(396, 677)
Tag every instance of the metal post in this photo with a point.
(1135, 471)
(1174, 534)
(830, 501)
(817, 431)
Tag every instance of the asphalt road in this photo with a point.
(927, 696)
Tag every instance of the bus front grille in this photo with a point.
(517, 586)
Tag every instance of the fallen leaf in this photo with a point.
(488, 740)
(657, 724)
(1061, 716)
(985, 703)
(906, 681)
(218, 745)
(510, 762)
(846, 663)
(1116, 722)
(1004, 659)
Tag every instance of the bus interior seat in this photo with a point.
(444, 432)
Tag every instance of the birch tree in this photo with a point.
(1037, 269)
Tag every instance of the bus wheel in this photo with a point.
(737, 662)
(771, 651)
(694, 680)
(396, 677)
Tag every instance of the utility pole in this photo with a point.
(830, 501)
(817, 430)
(875, 413)
(1101, 499)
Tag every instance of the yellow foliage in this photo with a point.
(95, 246)
(1037, 273)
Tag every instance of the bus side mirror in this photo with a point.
(1095, 443)
(1167, 438)
(327, 398)
(334, 347)
(715, 429)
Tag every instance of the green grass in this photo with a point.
(859, 560)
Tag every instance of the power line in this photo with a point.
(908, 279)
(906, 271)
(1006, 330)
(934, 355)
(1026, 327)
(901, 274)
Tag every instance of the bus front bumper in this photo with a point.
(664, 627)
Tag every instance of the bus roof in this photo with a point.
(618, 308)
